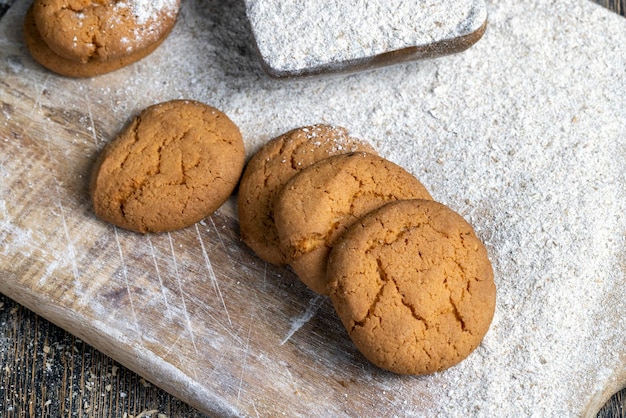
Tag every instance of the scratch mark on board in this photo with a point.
(70, 244)
(216, 366)
(158, 273)
(214, 282)
(40, 93)
(59, 203)
(246, 353)
(219, 235)
(3, 209)
(93, 126)
(310, 311)
(182, 295)
(51, 268)
(130, 293)
(265, 275)
(286, 369)
(37, 106)
(213, 319)
(194, 371)
(170, 348)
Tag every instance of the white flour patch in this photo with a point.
(144, 10)
(293, 36)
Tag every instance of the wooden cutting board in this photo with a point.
(196, 313)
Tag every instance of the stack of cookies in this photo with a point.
(409, 279)
(84, 38)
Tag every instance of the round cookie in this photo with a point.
(103, 30)
(175, 164)
(413, 287)
(271, 167)
(41, 53)
(319, 203)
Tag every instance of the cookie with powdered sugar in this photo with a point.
(84, 38)
(271, 167)
(85, 30)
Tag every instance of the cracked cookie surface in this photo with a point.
(317, 205)
(102, 30)
(172, 166)
(271, 167)
(413, 286)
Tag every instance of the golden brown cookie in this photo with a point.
(319, 203)
(40, 51)
(103, 30)
(175, 164)
(413, 286)
(271, 167)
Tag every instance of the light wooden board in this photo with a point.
(197, 314)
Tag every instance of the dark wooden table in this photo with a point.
(47, 372)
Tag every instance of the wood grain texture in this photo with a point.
(192, 311)
(45, 371)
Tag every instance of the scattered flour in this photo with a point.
(144, 10)
(523, 134)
